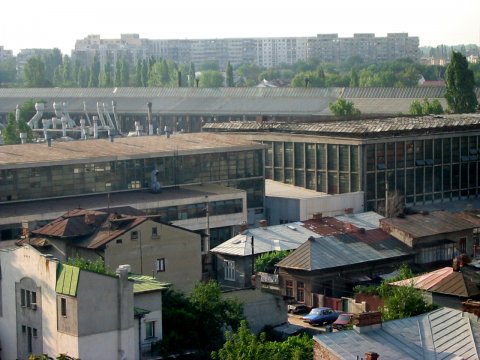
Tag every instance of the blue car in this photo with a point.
(321, 315)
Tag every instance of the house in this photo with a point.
(447, 286)
(440, 334)
(235, 257)
(172, 254)
(436, 237)
(339, 256)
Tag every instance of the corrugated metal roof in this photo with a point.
(342, 250)
(271, 238)
(101, 150)
(144, 284)
(441, 334)
(357, 128)
(67, 279)
(426, 281)
(368, 220)
(428, 224)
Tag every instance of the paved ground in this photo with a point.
(297, 320)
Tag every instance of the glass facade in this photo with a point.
(422, 171)
(239, 169)
(328, 168)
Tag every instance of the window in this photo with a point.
(24, 329)
(154, 232)
(29, 298)
(63, 306)
(119, 241)
(289, 288)
(300, 291)
(134, 235)
(23, 299)
(161, 265)
(462, 245)
(229, 270)
(149, 329)
(34, 297)
(34, 332)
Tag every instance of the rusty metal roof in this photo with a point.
(444, 281)
(428, 224)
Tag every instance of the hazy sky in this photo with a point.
(55, 23)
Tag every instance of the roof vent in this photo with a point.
(292, 227)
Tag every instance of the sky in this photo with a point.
(55, 23)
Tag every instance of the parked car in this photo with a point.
(342, 321)
(298, 308)
(321, 315)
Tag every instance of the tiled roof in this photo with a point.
(144, 284)
(441, 334)
(426, 281)
(428, 224)
(108, 233)
(72, 224)
(67, 279)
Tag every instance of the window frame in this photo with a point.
(160, 264)
(229, 270)
(63, 307)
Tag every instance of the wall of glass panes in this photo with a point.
(329, 168)
(240, 169)
(422, 171)
(194, 211)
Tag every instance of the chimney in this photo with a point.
(348, 211)
(371, 356)
(471, 306)
(311, 239)
(243, 227)
(367, 321)
(89, 218)
(263, 224)
(317, 216)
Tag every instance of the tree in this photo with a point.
(342, 107)
(459, 87)
(67, 73)
(11, 133)
(118, 74)
(191, 75)
(34, 72)
(266, 261)
(125, 73)
(247, 346)
(426, 107)
(94, 72)
(211, 79)
(106, 75)
(229, 76)
(354, 80)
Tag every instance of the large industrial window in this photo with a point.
(229, 270)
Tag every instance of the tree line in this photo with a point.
(55, 70)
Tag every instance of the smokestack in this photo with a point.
(54, 122)
(263, 224)
(137, 127)
(110, 134)
(150, 125)
(23, 137)
(95, 127)
(64, 126)
(82, 128)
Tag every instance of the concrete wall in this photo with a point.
(180, 248)
(243, 271)
(151, 301)
(290, 209)
(26, 262)
(261, 308)
(105, 346)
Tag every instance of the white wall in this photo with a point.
(16, 264)
(105, 346)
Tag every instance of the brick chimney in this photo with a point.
(371, 356)
(317, 216)
(263, 223)
(348, 211)
(243, 227)
(367, 321)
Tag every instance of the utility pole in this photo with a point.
(253, 257)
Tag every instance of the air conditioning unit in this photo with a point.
(34, 306)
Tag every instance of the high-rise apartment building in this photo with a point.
(264, 52)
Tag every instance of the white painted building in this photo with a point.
(50, 308)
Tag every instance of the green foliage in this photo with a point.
(309, 79)
(94, 72)
(247, 346)
(460, 82)
(229, 75)
(211, 79)
(8, 71)
(97, 266)
(11, 133)
(198, 321)
(426, 107)
(266, 261)
(342, 107)
(34, 72)
(191, 75)
(399, 301)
